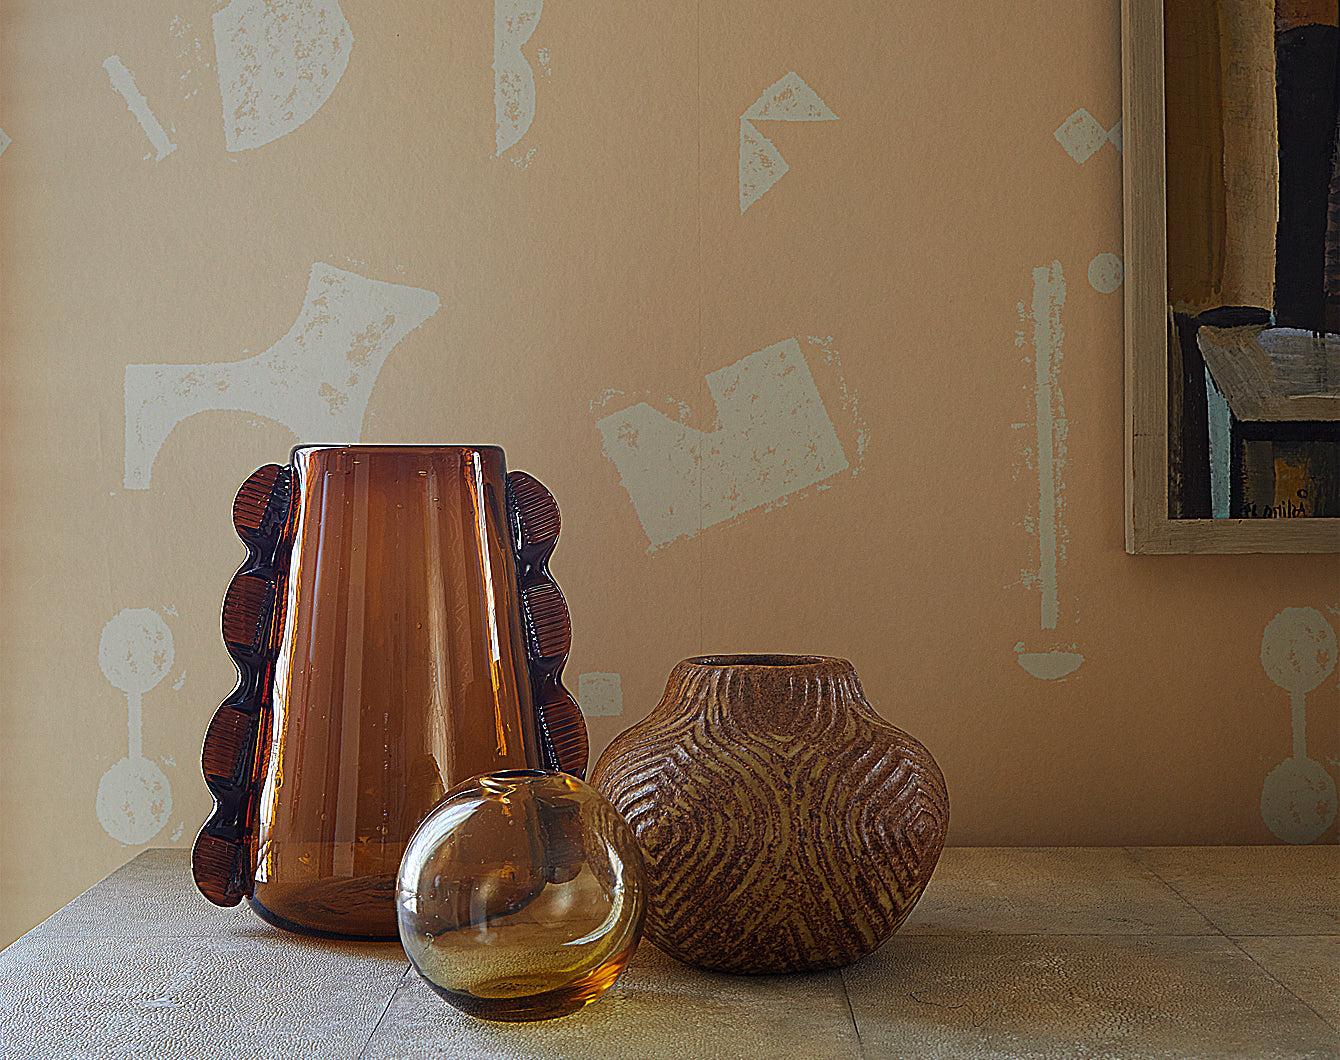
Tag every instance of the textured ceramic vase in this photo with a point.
(522, 896)
(784, 825)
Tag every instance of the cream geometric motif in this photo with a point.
(278, 61)
(513, 79)
(774, 438)
(134, 797)
(1106, 273)
(1081, 135)
(600, 694)
(124, 83)
(316, 379)
(1298, 653)
(1044, 313)
(790, 99)
(761, 165)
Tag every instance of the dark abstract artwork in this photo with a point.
(1253, 201)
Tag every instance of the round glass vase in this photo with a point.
(521, 896)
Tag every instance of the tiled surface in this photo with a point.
(1012, 953)
(153, 894)
(1255, 890)
(168, 996)
(1042, 996)
(1049, 891)
(1308, 965)
(658, 1008)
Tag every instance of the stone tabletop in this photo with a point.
(1164, 952)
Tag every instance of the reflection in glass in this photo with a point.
(522, 896)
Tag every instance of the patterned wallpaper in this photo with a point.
(810, 316)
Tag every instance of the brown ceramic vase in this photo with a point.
(785, 826)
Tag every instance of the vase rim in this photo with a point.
(769, 661)
(389, 447)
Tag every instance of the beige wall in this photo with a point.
(340, 235)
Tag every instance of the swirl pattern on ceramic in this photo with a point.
(784, 824)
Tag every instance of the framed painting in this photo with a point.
(1232, 270)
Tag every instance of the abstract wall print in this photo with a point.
(191, 56)
(1298, 653)
(773, 438)
(124, 83)
(514, 22)
(278, 62)
(1252, 287)
(848, 400)
(134, 797)
(1106, 272)
(1082, 135)
(600, 694)
(761, 164)
(1042, 319)
(316, 379)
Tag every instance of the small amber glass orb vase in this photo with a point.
(521, 896)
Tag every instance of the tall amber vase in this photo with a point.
(396, 631)
(784, 825)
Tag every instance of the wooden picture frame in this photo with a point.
(1149, 528)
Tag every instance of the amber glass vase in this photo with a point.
(391, 642)
(522, 896)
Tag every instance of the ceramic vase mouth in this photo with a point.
(768, 662)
